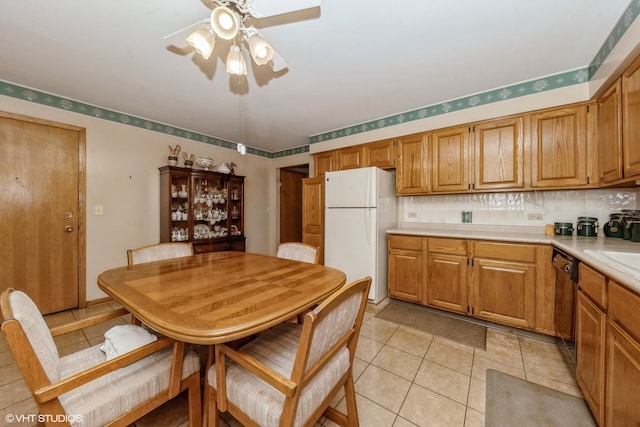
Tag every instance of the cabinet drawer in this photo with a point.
(593, 284)
(200, 248)
(505, 251)
(412, 243)
(624, 308)
(447, 246)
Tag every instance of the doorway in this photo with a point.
(42, 227)
(291, 202)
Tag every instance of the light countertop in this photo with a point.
(573, 245)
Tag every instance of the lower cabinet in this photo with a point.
(623, 378)
(494, 281)
(590, 348)
(406, 268)
(447, 274)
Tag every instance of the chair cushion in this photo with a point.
(114, 394)
(277, 349)
(296, 252)
(26, 312)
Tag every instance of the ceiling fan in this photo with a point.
(228, 21)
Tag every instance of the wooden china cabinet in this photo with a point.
(202, 207)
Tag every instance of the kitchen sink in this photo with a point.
(625, 261)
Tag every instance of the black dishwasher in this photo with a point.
(564, 310)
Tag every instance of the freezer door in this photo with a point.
(351, 243)
(353, 188)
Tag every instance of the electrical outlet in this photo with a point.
(412, 215)
(534, 216)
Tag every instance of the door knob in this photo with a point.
(68, 228)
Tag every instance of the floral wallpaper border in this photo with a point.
(522, 89)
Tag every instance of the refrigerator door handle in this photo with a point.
(367, 222)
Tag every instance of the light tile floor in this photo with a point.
(403, 377)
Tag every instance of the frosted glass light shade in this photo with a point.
(261, 50)
(235, 62)
(225, 22)
(202, 41)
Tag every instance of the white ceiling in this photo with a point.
(350, 61)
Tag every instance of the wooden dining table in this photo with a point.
(219, 297)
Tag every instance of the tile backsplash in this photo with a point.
(534, 209)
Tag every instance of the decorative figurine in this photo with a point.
(173, 157)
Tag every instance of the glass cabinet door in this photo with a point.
(179, 216)
(210, 206)
(236, 209)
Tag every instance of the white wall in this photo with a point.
(122, 176)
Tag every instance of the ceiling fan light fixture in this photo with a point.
(202, 41)
(261, 50)
(225, 22)
(235, 62)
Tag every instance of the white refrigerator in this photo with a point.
(360, 205)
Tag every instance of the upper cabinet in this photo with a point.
(610, 132)
(412, 166)
(485, 156)
(350, 158)
(450, 160)
(324, 162)
(563, 147)
(381, 154)
(499, 154)
(631, 120)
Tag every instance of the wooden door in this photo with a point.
(313, 213)
(412, 167)
(590, 349)
(324, 162)
(622, 378)
(631, 120)
(610, 146)
(504, 292)
(42, 225)
(350, 158)
(559, 148)
(450, 160)
(499, 155)
(381, 154)
(291, 204)
(447, 282)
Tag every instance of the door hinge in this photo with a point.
(588, 180)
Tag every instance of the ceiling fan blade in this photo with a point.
(179, 38)
(265, 8)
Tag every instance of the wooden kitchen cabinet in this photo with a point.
(313, 213)
(350, 158)
(412, 166)
(631, 120)
(447, 274)
(499, 154)
(449, 154)
(623, 378)
(381, 154)
(406, 268)
(504, 283)
(610, 132)
(324, 162)
(563, 150)
(590, 349)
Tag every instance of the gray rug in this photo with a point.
(512, 401)
(427, 320)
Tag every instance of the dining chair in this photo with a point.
(83, 388)
(158, 252)
(298, 251)
(289, 375)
